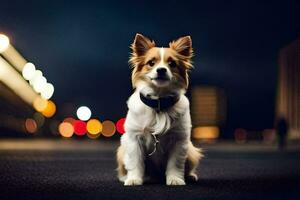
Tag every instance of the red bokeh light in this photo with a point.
(120, 125)
(79, 128)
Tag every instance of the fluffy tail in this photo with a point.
(121, 168)
(194, 155)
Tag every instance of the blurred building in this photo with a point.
(288, 96)
(208, 109)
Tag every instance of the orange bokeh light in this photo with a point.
(40, 104)
(108, 128)
(94, 126)
(66, 129)
(50, 109)
(206, 132)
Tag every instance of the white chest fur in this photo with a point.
(144, 122)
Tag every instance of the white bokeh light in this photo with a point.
(39, 84)
(83, 113)
(37, 74)
(4, 43)
(48, 91)
(28, 71)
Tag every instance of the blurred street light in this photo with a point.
(108, 128)
(4, 43)
(28, 71)
(47, 91)
(83, 113)
(40, 84)
(12, 79)
(11, 54)
(94, 126)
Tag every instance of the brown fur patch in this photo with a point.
(120, 157)
(194, 155)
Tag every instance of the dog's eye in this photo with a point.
(151, 63)
(172, 64)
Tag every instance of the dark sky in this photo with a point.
(82, 48)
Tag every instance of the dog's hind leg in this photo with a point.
(194, 155)
(120, 162)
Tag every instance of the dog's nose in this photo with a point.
(161, 71)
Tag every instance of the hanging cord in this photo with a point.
(155, 145)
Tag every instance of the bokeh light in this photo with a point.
(206, 132)
(39, 84)
(83, 113)
(35, 77)
(79, 127)
(108, 128)
(70, 120)
(50, 109)
(66, 129)
(30, 125)
(28, 71)
(47, 91)
(40, 104)
(120, 125)
(4, 43)
(94, 126)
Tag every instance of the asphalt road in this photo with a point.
(39, 169)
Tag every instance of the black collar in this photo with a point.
(161, 103)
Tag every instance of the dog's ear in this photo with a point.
(141, 44)
(183, 46)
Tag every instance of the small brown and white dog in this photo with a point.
(158, 122)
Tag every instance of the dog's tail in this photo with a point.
(121, 167)
(194, 155)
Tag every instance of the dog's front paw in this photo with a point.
(174, 180)
(133, 181)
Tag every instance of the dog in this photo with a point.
(158, 123)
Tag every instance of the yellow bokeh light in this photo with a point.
(94, 126)
(50, 109)
(206, 132)
(40, 104)
(66, 129)
(108, 128)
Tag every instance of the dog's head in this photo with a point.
(161, 67)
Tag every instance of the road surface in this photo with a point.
(85, 169)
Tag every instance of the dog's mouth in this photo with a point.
(161, 81)
(161, 78)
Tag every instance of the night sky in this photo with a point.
(83, 46)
